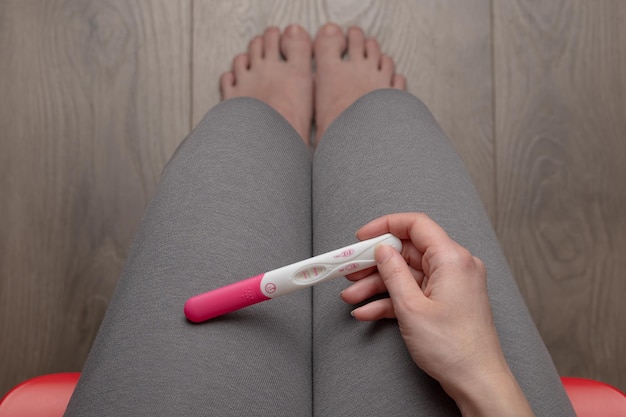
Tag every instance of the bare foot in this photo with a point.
(339, 82)
(285, 84)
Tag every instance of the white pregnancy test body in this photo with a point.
(287, 279)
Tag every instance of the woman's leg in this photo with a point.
(387, 154)
(233, 202)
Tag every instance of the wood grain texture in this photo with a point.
(450, 70)
(95, 97)
(561, 144)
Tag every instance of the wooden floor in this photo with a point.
(96, 95)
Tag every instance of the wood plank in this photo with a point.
(450, 70)
(95, 98)
(560, 140)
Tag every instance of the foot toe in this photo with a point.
(271, 41)
(387, 65)
(295, 45)
(398, 82)
(241, 63)
(255, 49)
(372, 50)
(330, 43)
(356, 43)
(227, 83)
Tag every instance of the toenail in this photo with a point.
(294, 30)
(331, 29)
(355, 30)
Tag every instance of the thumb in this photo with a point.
(400, 283)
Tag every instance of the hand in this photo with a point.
(438, 293)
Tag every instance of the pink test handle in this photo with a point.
(224, 300)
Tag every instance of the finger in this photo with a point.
(376, 310)
(418, 227)
(403, 290)
(411, 255)
(367, 287)
(373, 285)
(409, 252)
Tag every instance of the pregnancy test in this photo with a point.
(287, 279)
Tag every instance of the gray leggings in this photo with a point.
(241, 196)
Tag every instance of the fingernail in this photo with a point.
(383, 253)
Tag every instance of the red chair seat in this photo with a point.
(48, 396)
(592, 398)
(42, 396)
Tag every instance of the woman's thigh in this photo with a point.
(233, 202)
(387, 154)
